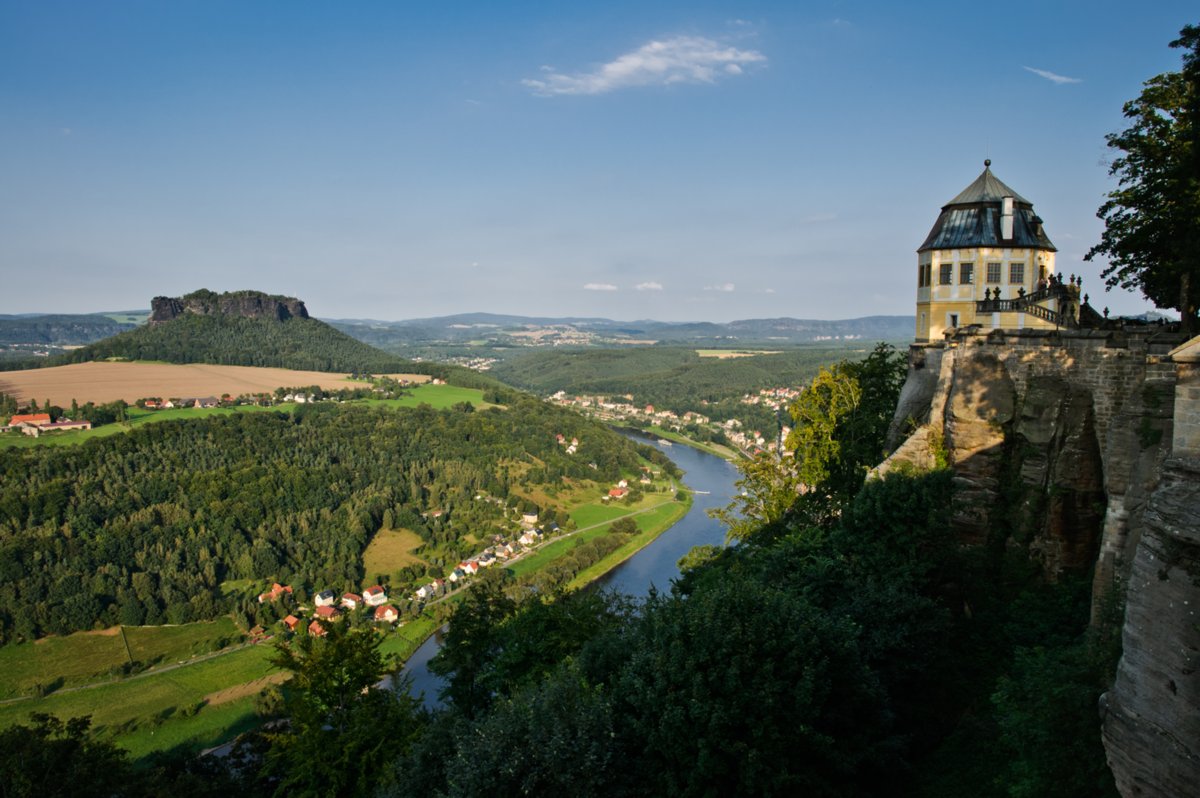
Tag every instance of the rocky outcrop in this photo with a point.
(1056, 439)
(1085, 449)
(1152, 713)
(245, 304)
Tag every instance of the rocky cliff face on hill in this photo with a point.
(244, 304)
(1085, 449)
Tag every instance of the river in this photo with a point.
(710, 478)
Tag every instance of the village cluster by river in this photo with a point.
(712, 481)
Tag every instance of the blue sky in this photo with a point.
(699, 160)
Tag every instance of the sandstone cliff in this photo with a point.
(247, 304)
(1084, 448)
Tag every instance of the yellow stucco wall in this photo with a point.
(937, 304)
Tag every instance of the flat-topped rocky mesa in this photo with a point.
(244, 304)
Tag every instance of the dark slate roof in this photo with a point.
(986, 188)
(972, 219)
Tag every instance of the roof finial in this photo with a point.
(987, 162)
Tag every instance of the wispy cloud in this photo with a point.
(725, 287)
(599, 287)
(650, 286)
(677, 59)
(1051, 76)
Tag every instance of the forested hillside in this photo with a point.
(146, 527)
(296, 343)
(58, 329)
(674, 378)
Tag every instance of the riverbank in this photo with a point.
(640, 541)
(715, 449)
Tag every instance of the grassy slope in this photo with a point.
(86, 657)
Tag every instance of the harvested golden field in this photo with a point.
(107, 382)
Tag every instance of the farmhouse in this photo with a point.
(32, 419)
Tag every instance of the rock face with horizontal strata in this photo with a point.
(244, 304)
(1085, 447)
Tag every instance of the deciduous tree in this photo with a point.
(1152, 219)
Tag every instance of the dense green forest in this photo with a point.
(849, 645)
(146, 527)
(675, 378)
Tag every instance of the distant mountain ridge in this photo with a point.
(58, 329)
(498, 327)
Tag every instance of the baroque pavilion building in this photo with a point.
(988, 263)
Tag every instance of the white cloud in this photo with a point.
(1053, 78)
(599, 287)
(725, 287)
(678, 59)
(649, 286)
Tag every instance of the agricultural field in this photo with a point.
(388, 552)
(102, 382)
(157, 711)
(439, 397)
(725, 354)
(53, 663)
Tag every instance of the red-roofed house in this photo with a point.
(618, 493)
(316, 629)
(387, 613)
(291, 622)
(374, 596)
(275, 592)
(351, 600)
(33, 419)
(327, 612)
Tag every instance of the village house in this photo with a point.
(324, 599)
(275, 592)
(469, 567)
(290, 622)
(387, 614)
(529, 519)
(375, 596)
(327, 613)
(351, 601)
(618, 493)
(316, 629)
